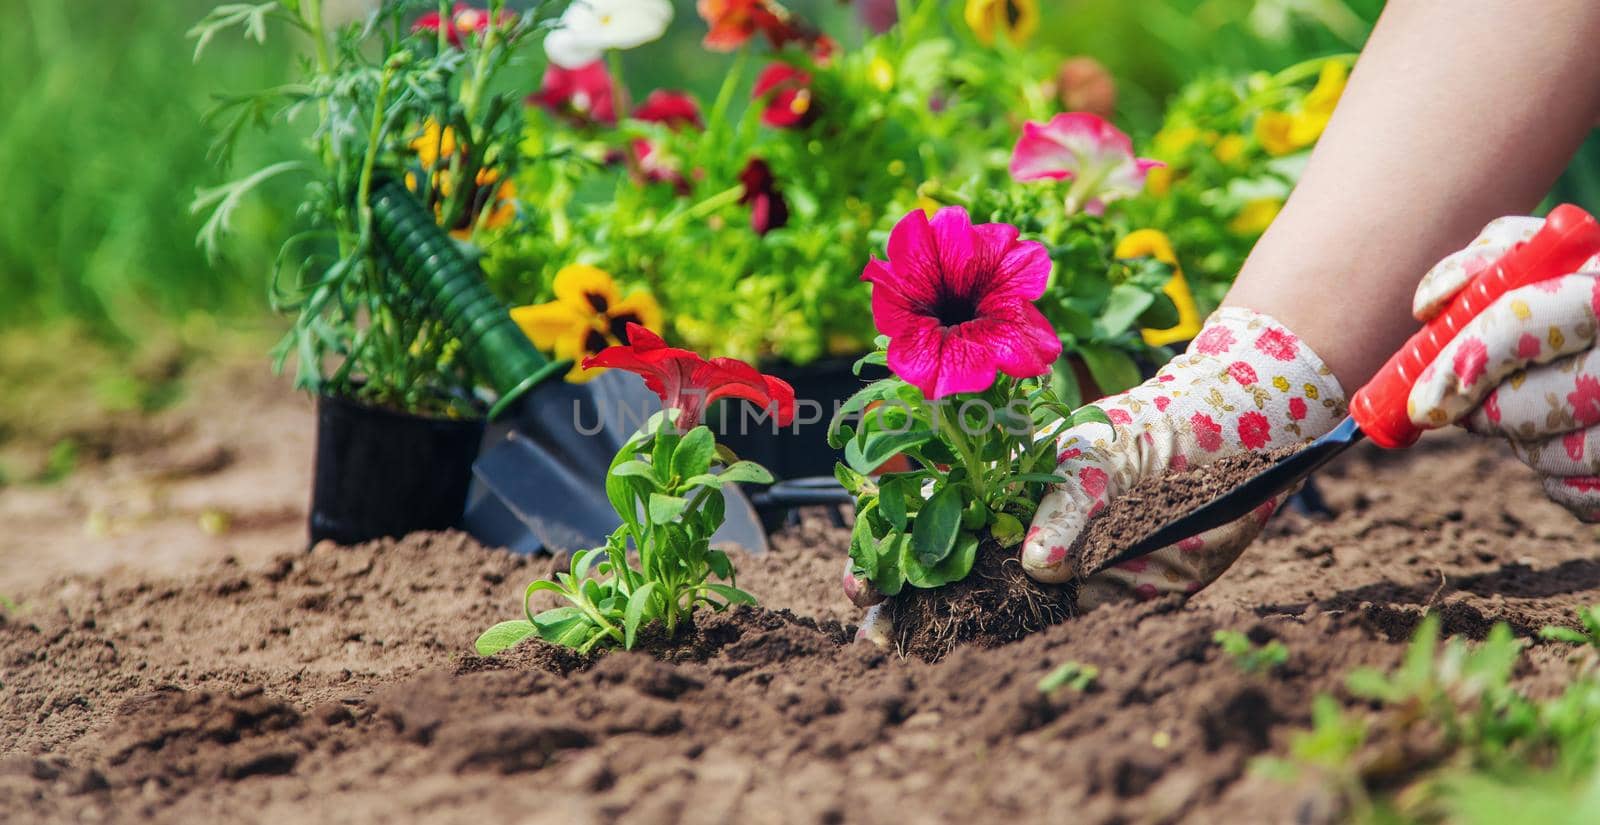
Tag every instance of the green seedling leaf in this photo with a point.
(503, 635)
(635, 469)
(892, 502)
(1554, 633)
(850, 480)
(1074, 675)
(745, 472)
(664, 509)
(693, 454)
(1250, 657)
(561, 625)
(732, 595)
(888, 578)
(876, 359)
(1038, 478)
(721, 566)
(933, 534)
(1088, 415)
(955, 567)
(638, 609)
(1007, 530)
(876, 391)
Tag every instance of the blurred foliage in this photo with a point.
(101, 152)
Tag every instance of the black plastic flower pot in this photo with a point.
(381, 473)
(801, 449)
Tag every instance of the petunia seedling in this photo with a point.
(666, 487)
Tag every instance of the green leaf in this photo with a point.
(720, 565)
(933, 533)
(1113, 369)
(1007, 530)
(1079, 677)
(876, 391)
(634, 468)
(664, 509)
(745, 472)
(638, 608)
(503, 635)
(892, 502)
(694, 453)
(1088, 415)
(876, 359)
(1162, 313)
(566, 626)
(1123, 307)
(1562, 634)
(889, 579)
(732, 595)
(849, 479)
(1039, 478)
(878, 448)
(955, 567)
(1064, 382)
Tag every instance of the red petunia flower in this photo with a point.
(956, 301)
(673, 109)
(734, 22)
(787, 92)
(768, 209)
(464, 20)
(584, 95)
(688, 383)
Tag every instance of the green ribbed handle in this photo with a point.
(453, 288)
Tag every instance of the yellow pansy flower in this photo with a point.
(1016, 19)
(1255, 216)
(1153, 243)
(1230, 149)
(588, 314)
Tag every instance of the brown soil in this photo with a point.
(339, 684)
(997, 603)
(1151, 504)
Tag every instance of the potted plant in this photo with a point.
(407, 176)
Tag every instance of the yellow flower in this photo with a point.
(1281, 133)
(1158, 181)
(1230, 149)
(434, 143)
(881, 73)
(587, 315)
(1016, 19)
(1320, 102)
(1153, 243)
(1272, 131)
(1255, 216)
(1171, 141)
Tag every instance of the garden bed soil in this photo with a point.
(339, 684)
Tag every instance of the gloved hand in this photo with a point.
(1526, 368)
(1245, 383)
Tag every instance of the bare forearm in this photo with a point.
(1458, 111)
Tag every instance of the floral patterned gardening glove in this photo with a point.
(1246, 383)
(1526, 368)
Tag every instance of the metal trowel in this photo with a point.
(1378, 410)
(540, 481)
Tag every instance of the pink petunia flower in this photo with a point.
(688, 383)
(787, 92)
(956, 301)
(584, 95)
(1085, 149)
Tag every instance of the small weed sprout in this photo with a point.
(1250, 657)
(1074, 675)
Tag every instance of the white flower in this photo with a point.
(589, 27)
